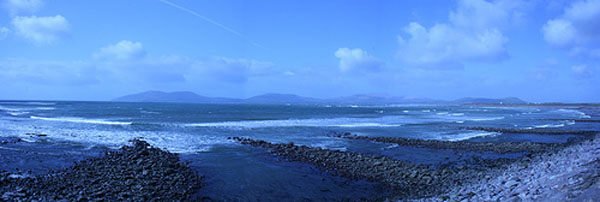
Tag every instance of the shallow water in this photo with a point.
(79, 130)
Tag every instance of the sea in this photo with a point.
(55, 134)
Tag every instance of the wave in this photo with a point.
(174, 141)
(149, 112)
(552, 125)
(356, 125)
(469, 135)
(486, 119)
(335, 122)
(81, 120)
(574, 112)
(45, 108)
(27, 103)
(450, 114)
(11, 109)
(17, 113)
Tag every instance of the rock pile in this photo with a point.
(407, 180)
(570, 174)
(502, 147)
(135, 173)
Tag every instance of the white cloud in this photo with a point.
(16, 7)
(582, 71)
(41, 30)
(481, 14)
(231, 70)
(579, 68)
(4, 32)
(122, 50)
(129, 61)
(357, 60)
(577, 29)
(559, 32)
(47, 72)
(474, 33)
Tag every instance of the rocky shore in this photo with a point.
(532, 131)
(134, 173)
(554, 172)
(501, 148)
(570, 174)
(408, 181)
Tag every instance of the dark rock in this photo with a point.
(118, 176)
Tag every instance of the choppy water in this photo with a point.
(78, 130)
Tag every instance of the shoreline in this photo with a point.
(574, 166)
(143, 172)
(568, 174)
(138, 172)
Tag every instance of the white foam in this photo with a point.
(11, 109)
(486, 119)
(549, 126)
(39, 103)
(469, 135)
(81, 120)
(426, 110)
(574, 112)
(17, 113)
(149, 112)
(173, 141)
(27, 103)
(553, 125)
(358, 125)
(388, 121)
(45, 108)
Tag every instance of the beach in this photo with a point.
(142, 151)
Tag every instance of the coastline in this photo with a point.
(142, 172)
(572, 168)
(568, 174)
(134, 173)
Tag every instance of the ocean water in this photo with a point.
(78, 130)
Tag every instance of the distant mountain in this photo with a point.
(507, 100)
(274, 98)
(179, 97)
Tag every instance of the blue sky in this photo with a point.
(97, 50)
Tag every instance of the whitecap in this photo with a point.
(487, 119)
(387, 121)
(17, 113)
(469, 135)
(81, 120)
(45, 108)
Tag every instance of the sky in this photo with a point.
(539, 51)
